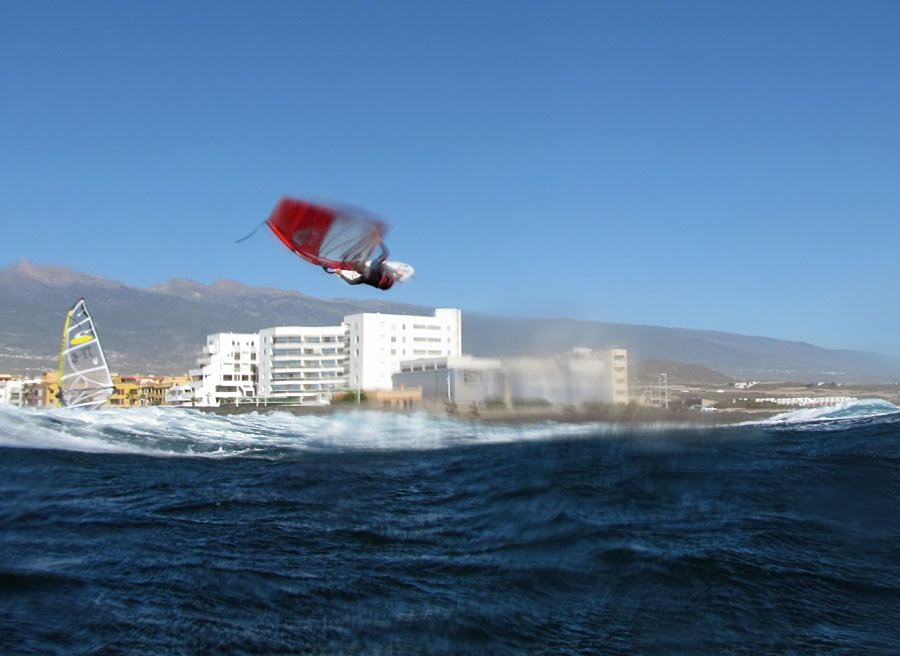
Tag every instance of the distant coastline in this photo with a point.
(630, 414)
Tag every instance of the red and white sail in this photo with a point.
(335, 238)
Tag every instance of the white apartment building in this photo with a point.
(11, 392)
(305, 364)
(618, 366)
(227, 369)
(378, 343)
(180, 395)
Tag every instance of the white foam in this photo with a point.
(847, 410)
(176, 431)
(183, 432)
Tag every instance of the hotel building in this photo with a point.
(378, 343)
(307, 364)
(301, 363)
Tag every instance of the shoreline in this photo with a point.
(630, 414)
(626, 414)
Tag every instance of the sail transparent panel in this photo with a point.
(350, 239)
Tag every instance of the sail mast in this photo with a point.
(62, 351)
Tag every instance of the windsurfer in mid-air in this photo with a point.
(373, 272)
(341, 240)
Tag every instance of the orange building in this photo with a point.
(154, 388)
(126, 392)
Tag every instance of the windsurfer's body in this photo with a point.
(372, 273)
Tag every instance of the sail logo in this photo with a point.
(81, 339)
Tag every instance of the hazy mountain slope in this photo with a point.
(648, 372)
(161, 329)
(738, 356)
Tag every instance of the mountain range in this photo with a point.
(161, 329)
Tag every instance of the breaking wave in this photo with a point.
(846, 411)
(183, 432)
(180, 432)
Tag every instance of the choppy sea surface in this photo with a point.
(168, 531)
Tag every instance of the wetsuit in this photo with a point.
(373, 274)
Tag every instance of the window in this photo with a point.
(471, 376)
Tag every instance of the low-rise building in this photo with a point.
(126, 391)
(11, 390)
(155, 388)
(41, 392)
(456, 379)
(181, 395)
(575, 378)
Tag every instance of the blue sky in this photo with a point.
(722, 165)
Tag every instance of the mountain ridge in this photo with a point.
(161, 329)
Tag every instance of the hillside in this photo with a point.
(161, 329)
(156, 330)
(648, 372)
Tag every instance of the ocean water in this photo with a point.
(167, 531)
